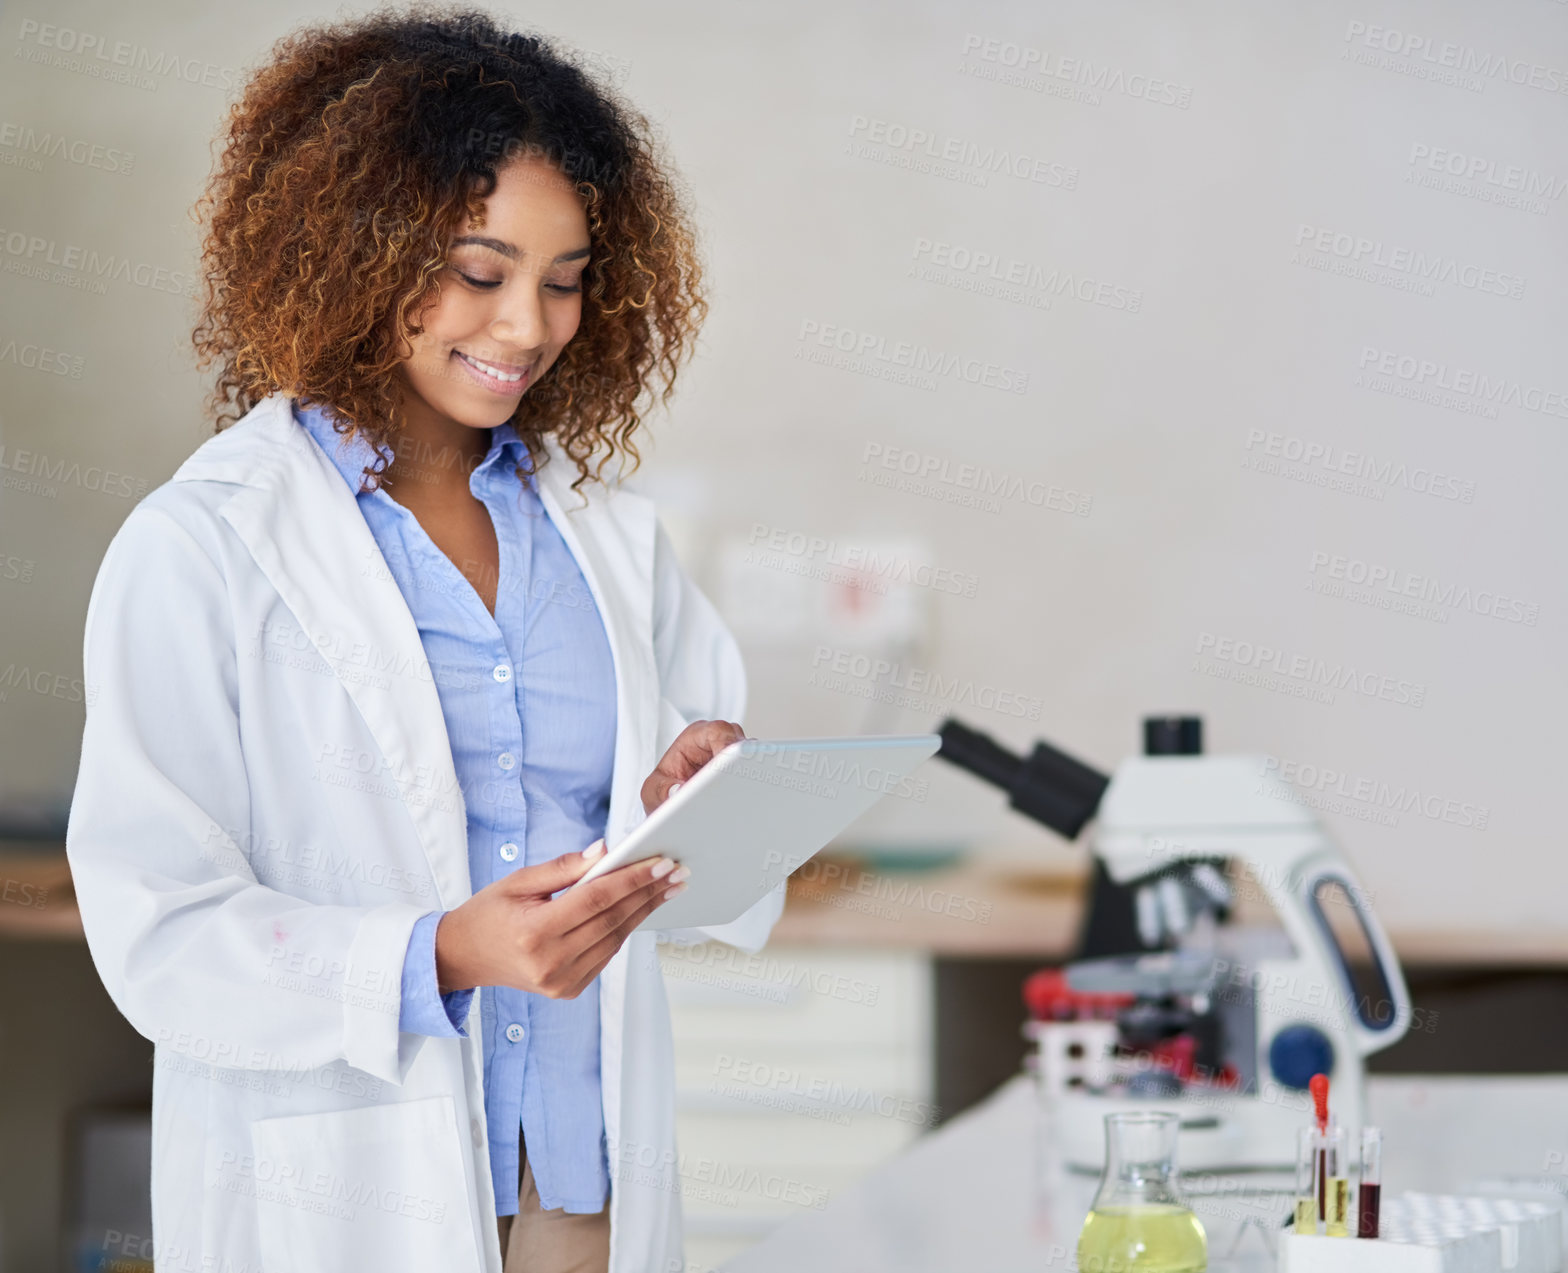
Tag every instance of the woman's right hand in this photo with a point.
(513, 933)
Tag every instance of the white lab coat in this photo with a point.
(266, 803)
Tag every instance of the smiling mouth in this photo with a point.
(499, 374)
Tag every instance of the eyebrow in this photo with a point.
(509, 251)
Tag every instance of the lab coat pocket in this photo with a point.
(380, 1187)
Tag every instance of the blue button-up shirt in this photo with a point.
(529, 701)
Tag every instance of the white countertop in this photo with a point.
(966, 1198)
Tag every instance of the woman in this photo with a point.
(384, 656)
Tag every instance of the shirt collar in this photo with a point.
(352, 456)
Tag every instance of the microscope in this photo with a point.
(1176, 1006)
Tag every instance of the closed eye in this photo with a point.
(488, 284)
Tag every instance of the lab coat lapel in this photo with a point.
(612, 539)
(303, 526)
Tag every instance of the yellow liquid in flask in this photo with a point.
(1151, 1239)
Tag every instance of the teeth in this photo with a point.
(510, 376)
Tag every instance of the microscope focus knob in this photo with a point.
(1297, 1053)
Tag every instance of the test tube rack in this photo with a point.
(1440, 1233)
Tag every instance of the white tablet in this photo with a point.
(760, 809)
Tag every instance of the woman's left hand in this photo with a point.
(694, 747)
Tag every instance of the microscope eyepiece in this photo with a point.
(1047, 785)
(1173, 735)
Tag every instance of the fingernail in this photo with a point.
(674, 787)
(684, 873)
(596, 849)
(669, 893)
(665, 866)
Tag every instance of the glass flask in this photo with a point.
(1139, 1223)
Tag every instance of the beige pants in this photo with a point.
(539, 1241)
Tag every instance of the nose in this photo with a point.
(519, 322)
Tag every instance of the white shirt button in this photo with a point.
(508, 852)
(506, 760)
(502, 672)
(514, 1032)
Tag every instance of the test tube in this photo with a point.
(1370, 1193)
(1307, 1144)
(1336, 1185)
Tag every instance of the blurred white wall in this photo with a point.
(1232, 306)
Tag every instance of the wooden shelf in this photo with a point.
(37, 902)
(838, 902)
(976, 909)
(970, 909)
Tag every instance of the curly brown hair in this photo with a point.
(358, 151)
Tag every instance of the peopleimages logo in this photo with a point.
(831, 667)
(1396, 581)
(854, 349)
(1464, 59)
(980, 267)
(1439, 378)
(821, 773)
(1359, 466)
(878, 566)
(1409, 264)
(1028, 66)
(26, 140)
(927, 474)
(1305, 781)
(983, 157)
(746, 1079)
(34, 468)
(118, 61)
(1309, 671)
(1513, 178)
(85, 268)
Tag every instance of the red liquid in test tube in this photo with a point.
(1370, 1194)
